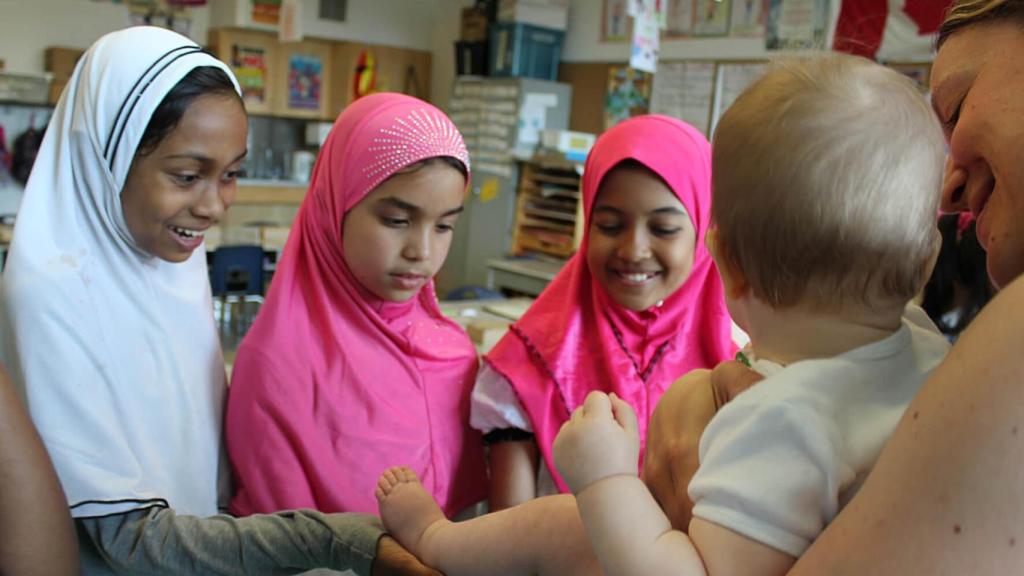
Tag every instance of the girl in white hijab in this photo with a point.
(107, 326)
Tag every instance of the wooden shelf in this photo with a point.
(549, 213)
(270, 193)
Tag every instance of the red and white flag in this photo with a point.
(889, 30)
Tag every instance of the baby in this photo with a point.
(826, 179)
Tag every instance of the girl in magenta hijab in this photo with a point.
(638, 306)
(350, 366)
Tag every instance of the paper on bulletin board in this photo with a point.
(489, 190)
(679, 18)
(615, 21)
(646, 39)
(732, 80)
(711, 17)
(748, 18)
(533, 116)
(291, 29)
(265, 11)
(797, 25)
(685, 90)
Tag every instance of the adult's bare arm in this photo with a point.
(36, 532)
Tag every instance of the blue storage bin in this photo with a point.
(525, 50)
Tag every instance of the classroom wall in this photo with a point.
(401, 23)
(446, 29)
(27, 27)
(583, 41)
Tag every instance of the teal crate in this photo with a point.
(524, 50)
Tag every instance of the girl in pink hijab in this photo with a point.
(640, 305)
(350, 366)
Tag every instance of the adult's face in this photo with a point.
(978, 93)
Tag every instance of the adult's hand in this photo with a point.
(729, 379)
(673, 435)
(393, 560)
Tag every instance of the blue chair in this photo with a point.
(236, 278)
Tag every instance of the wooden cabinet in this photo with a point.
(314, 79)
(549, 209)
(395, 70)
(287, 80)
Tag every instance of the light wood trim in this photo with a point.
(269, 194)
(398, 70)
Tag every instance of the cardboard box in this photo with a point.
(56, 89)
(552, 14)
(61, 61)
(474, 24)
(575, 145)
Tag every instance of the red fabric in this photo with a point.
(927, 14)
(862, 23)
(574, 338)
(861, 27)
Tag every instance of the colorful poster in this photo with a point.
(250, 66)
(266, 11)
(797, 25)
(305, 74)
(748, 18)
(712, 18)
(615, 21)
(629, 94)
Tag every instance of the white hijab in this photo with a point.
(115, 351)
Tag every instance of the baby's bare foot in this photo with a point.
(409, 513)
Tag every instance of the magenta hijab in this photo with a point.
(575, 339)
(332, 385)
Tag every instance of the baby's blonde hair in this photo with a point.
(826, 179)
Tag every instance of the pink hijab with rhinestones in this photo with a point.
(576, 339)
(332, 385)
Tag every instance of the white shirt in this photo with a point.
(780, 461)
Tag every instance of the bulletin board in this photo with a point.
(695, 91)
(691, 19)
(732, 78)
(685, 90)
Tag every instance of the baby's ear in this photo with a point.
(735, 282)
